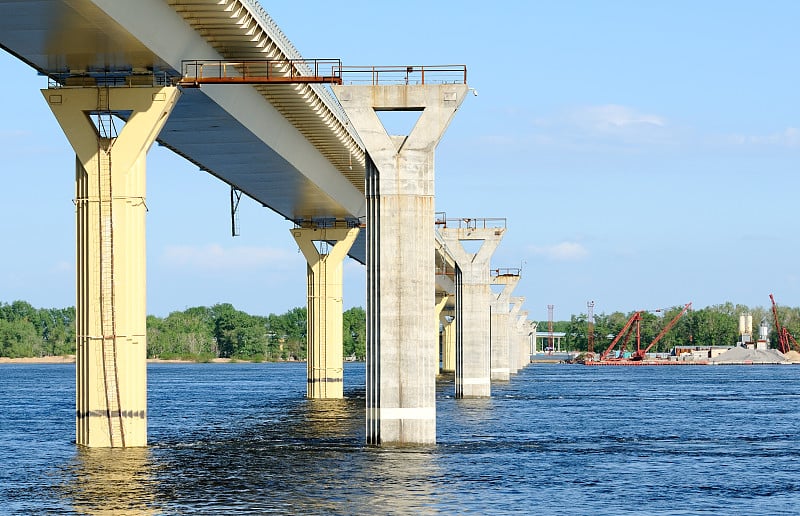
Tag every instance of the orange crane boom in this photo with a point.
(636, 317)
(640, 354)
(783, 333)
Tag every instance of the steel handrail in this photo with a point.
(389, 75)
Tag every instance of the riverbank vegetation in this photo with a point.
(222, 331)
(199, 333)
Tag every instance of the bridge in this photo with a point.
(217, 82)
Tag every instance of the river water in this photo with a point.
(557, 439)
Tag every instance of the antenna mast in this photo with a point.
(590, 325)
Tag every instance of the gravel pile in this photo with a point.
(750, 356)
(792, 356)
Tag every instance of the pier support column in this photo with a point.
(448, 342)
(441, 302)
(401, 387)
(513, 332)
(502, 335)
(473, 298)
(325, 250)
(110, 311)
(521, 333)
(528, 343)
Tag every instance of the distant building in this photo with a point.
(546, 337)
(698, 352)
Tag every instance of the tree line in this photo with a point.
(716, 325)
(221, 331)
(198, 333)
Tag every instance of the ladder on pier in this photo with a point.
(106, 135)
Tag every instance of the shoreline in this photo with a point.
(70, 359)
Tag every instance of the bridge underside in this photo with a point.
(290, 165)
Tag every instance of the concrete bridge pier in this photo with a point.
(441, 302)
(473, 299)
(325, 249)
(515, 346)
(445, 286)
(501, 331)
(110, 369)
(529, 332)
(448, 342)
(401, 346)
(522, 338)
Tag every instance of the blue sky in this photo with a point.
(644, 154)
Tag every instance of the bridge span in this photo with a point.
(291, 144)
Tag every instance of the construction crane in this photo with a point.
(784, 337)
(624, 332)
(627, 331)
(641, 353)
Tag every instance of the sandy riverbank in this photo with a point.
(70, 359)
(66, 359)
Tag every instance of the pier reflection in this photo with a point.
(112, 482)
(328, 418)
(403, 481)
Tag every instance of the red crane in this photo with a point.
(627, 330)
(784, 337)
(640, 353)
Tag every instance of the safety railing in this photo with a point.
(506, 271)
(329, 223)
(392, 75)
(121, 78)
(477, 223)
(260, 71)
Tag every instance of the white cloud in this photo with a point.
(216, 257)
(789, 137)
(561, 252)
(62, 266)
(607, 127)
(612, 117)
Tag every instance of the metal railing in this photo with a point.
(119, 78)
(392, 75)
(477, 223)
(259, 71)
(506, 271)
(329, 223)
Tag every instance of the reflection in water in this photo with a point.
(111, 481)
(404, 481)
(327, 419)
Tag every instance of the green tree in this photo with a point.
(238, 334)
(19, 338)
(355, 333)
